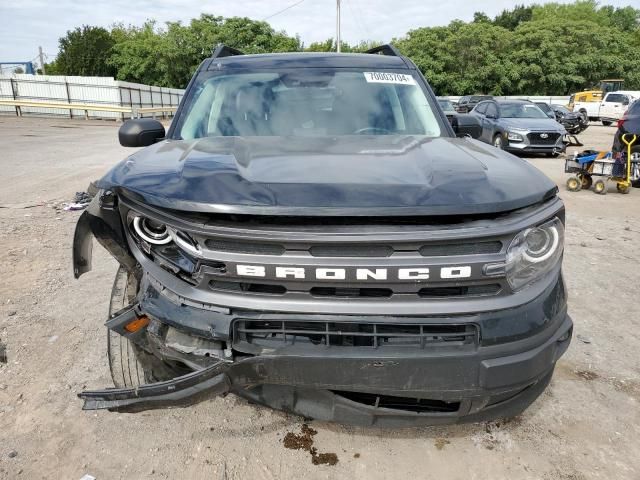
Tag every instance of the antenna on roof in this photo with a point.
(221, 50)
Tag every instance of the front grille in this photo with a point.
(253, 248)
(260, 334)
(405, 404)
(460, 290)
(468, 248)
(536, 138)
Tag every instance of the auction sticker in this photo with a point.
(389, 77)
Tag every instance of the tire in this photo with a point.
(585, 117)
(498, 142)
(623, 189)
(131, 366)
(574, 184)
(606, 123)
(600, 187)
(585, 180)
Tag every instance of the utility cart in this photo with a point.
(588, 164)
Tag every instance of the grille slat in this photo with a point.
(249, 335)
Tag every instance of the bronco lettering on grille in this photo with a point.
(357, 274)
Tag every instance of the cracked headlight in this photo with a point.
(534, 252)
(515, 137)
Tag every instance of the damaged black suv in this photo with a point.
(313, 235)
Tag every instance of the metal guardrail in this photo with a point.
(153, 110)
(87, 107)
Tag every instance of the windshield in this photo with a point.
(521, 110)
(480, 98)
(446, 105)
(309, 102)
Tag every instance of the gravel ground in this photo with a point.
(585, 426)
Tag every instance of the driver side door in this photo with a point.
(489, 122)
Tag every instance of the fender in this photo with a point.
(102, 221)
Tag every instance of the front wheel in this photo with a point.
(574, 184)
(129, 364)
(606, 123)
(498, 142)
(623, 188)
(600, 187)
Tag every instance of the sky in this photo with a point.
(27, 24)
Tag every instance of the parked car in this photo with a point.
(466, 103)
(312, 234)
(447, 107)
(629, 124)
(573, 123)
(610, 109)
(519, 126)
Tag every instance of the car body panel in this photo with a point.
(370, 174)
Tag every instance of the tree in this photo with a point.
(463, 58)
(169, 56)
(85, 51)
(510, 19)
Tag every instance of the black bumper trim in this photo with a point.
(178, 392)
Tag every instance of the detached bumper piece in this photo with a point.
(178, 392)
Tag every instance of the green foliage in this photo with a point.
(510, 19)
(555, 48)
(169, 56)
(84, 51)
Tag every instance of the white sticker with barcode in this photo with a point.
(389, 77)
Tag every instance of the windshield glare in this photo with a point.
(521, 110)
(308, 103)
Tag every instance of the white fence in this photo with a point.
(86, 90)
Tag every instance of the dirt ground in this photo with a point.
(586, 425)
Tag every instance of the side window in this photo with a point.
(581, 98)
(481, 108)
(614, 98)
(634, 109)
(492, 111)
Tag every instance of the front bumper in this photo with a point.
(529, 146)
(492, 386)
(365, 386)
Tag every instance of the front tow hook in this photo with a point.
(177, 392)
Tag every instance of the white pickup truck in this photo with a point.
(610, 108)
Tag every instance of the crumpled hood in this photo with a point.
(353, 175)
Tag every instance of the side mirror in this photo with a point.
(464, 125)
(140, 132)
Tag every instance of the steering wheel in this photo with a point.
(372, 130)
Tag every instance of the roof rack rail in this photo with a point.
(221, 50)
(386, 49)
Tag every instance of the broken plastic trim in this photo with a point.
(177, 392)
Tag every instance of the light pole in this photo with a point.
(338, 27)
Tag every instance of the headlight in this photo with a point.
(151, 231)
(534, 252)
(515, 137)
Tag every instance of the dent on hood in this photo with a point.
(372, 174)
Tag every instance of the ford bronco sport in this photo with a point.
(311, 234)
